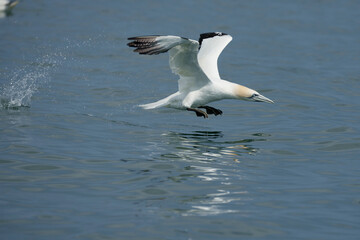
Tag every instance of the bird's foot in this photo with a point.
(198, 112)
(211, 110)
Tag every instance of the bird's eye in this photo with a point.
(255, 95)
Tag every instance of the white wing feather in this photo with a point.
(209, 53)
(183, 58)
(183, 62)
(195, 67)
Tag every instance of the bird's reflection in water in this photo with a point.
(211, 158)
(208, 145)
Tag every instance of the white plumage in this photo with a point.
(196, 64)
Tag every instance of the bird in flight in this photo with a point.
(196, 64)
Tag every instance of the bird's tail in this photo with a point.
(161, 103)
(153, 105)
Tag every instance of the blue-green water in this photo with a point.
(80, 160)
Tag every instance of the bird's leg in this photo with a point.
(198, 112)
(211, 110)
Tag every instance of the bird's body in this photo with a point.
(211, 92)
(196, 64)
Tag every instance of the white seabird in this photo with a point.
(7, 5)
(196, 64)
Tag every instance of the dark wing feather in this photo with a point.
(154, 44)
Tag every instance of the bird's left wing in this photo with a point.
(183, 59)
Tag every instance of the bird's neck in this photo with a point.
(242, 92)
(236, 91)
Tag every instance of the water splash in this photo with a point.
(25, 81)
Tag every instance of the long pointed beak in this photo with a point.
(261, 98)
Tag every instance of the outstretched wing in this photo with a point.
(183, 59)
(154, 44)
(211, 46)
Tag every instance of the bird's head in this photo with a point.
(248, 94)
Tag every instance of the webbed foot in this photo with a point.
(198, 112)
(211, 110)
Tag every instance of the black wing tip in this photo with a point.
(210, 35)
(141, 43)
(146, 45)
(131, 44)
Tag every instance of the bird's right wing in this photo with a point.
(211, 46)
(183, 59)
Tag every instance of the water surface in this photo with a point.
(80, 160)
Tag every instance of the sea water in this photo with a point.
(80, 160)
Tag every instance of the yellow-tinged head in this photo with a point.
(248, 94)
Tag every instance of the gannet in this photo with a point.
(196, 64)
(7, 5)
